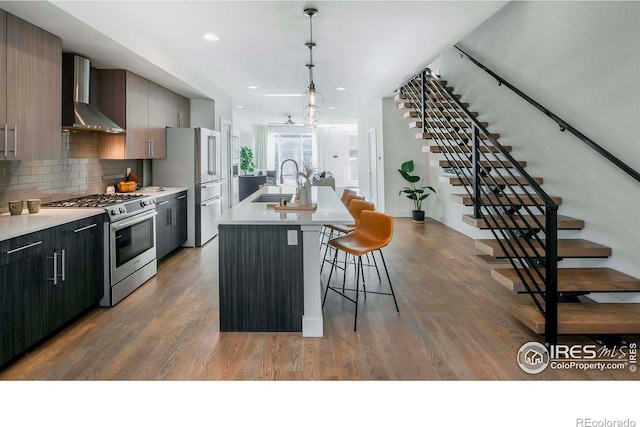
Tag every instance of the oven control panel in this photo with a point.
(125, 210)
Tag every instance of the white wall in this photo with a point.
(370, 117)
(400, 146)
(582, 61)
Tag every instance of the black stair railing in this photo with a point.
(521, 216)
(563, 125)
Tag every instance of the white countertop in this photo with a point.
(330, 210)
(17, 225)
(160, 191)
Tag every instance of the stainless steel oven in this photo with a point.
(129, 240)
(132, 249)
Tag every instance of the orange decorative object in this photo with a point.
(127, 186)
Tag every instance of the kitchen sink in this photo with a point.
(272, 198)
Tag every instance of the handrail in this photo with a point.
(563, 124)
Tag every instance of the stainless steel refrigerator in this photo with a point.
(194, 161)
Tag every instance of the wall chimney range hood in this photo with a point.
(77, 113)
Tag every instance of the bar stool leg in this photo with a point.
(373, 255)
(364, 280)
(333, 264)
(389, 279)
(355, 320)
(324, 258)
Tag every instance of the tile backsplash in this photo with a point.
(77, 172)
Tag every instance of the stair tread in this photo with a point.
(451, 136)
(444, 127)
(573, 280)
(448, 114)
(507, 200)
(465, 149)
(584, 319)
(564, 222)
(567, 248)
(497, 180)
(486, 163)
(399, 97)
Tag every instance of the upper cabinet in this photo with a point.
(30, 91)
(177, 110)
(141, 107)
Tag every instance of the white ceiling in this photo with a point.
(368, 47)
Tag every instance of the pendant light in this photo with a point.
(312, 100)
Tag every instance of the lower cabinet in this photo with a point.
(76, 257)
(171, 224)
(46, 279)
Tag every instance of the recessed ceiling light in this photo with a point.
(240, 106)
(211, 37)
(332, 108)
(253, 87)
(340, 88)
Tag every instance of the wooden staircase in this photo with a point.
(450, 132)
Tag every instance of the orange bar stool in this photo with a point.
(373, 233)
(345, 193)
(356, 207)
(331, 228)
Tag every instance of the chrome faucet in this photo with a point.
(282, 166)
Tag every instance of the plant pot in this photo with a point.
(418, 217)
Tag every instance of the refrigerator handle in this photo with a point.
(214, 154)
(209, 155)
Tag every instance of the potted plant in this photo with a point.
(246, 160)
(417, 193)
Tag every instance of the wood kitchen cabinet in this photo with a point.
(46, 279)
(171, 223)
(30, 95)
(78, 249)
(141, 107)
(177, 110)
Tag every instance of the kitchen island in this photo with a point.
(269, 262)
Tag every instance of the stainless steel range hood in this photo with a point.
(77, 113)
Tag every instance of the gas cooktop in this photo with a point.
(95, 201)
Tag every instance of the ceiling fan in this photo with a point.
(288, 122)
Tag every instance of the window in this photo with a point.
(299, 147)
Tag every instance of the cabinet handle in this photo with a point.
(63, 265)
(15, 141)
(151, 145)
(77, 230)
(148, 148)
(24, 247)
(55, 268)
(6, 140)
(181, 197)
(162, 203)
(179, 120)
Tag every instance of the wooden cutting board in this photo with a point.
(292, 207)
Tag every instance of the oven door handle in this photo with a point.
(136, 220)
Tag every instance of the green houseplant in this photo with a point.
(415, 192)
(246, 160)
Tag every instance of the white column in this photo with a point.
(312, 318)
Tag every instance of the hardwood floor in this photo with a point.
(454, 324)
